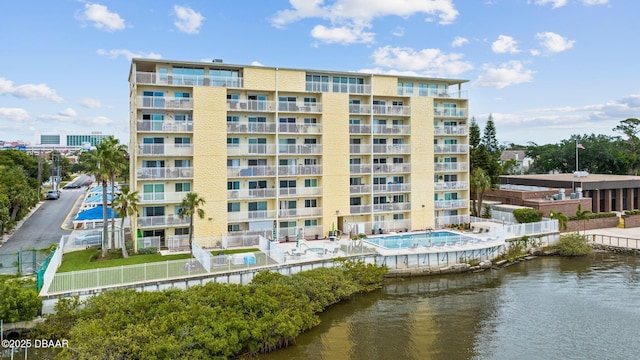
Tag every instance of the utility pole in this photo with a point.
(39, 173)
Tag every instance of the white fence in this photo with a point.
(204, 257)
(54, 264)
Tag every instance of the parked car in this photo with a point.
(89, 238)
(52, 195)
(71, 186)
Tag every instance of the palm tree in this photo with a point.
(480, 182)
(116, 166)
(190, 206)
(96, 163)
(582, 215)
(563, 220)
(125, 204)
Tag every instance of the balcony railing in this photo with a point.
(450, 149)
(241, 216)
(165, 149)
(449, 130)
(285, 170)
(318, 86)
(391, 148)
(391, 109)
(451, 185)
(451, 166)
(360, 209)
(246, 149)
(250, 105)
(450, 204)
(152, 78)
(294, 106)
(251, 127)
(359, 189)
(440, 111)
(392, 129)
(251, 193)
(360, 148)
(161, 173)
(387, 188)
(359, 129)
(158, 102)
(300, 128)
(402, 206)
(164, 126)
(439, 93)
(250, 171)
(391, 168)
(300, 212)
(314, 149)
(300, 191)
(161, 197)
(163, 220)
(359, 109)
(360, 169)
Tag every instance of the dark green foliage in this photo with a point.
(527, 215)
(19, 300)
(214, 321)
(573, 244)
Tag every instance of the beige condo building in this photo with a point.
(300, 152)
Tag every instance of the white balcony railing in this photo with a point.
(164, 173)
(251, 127)
(251, 193)
(161, 197)
(391, 148)
(299, 170)
(388, 188)
(450, 204)
(360, 169)
(153, 78)
(159, 102)
(241, 216)
(391, 168)
(165, 149)
(246, 149)
(250, 105)
(440, 93)
(359, 109)
(300, 191)
(250, 171)
(359, 189)
(359, 129)
(391, 109)
(402, 206)
(451, 185)
(360, 209)
(160, 221)
(450, 130)
(300, 212)
(319, 86)
(392, 129)
(314, 149)
(164, 126)
(450, 148)
(294, 128)
(360, 149)
(296, 106)
(440, 111)
(450, 166)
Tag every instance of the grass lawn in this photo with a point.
(81, 260)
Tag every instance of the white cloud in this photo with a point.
(595, 2)
(101, 17)
(188, 20)
(459, 41)
(398, 31)
(342, 35)
(505, 44)
(256, 63)
(349, 18)
(115, 53)
(553, 42)
(14, 114)
(67, 115)
(509, 73)
(29, 91)
(431, 62)
(98, 120)
(91, 103)
(554, 3)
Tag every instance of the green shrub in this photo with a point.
(148, 250)
(18, 301)
(527, 215)
(573, 244)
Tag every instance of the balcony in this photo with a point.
(158, 102)
(251, 193)
(165, 149)
(293, 170)
(391, 168)
(247, 149)
(360, 169)
(392, 129)
(450, 149)
(450, 204)
(359, 109)
(294, 106)
(161, 221)
(251, 171)
(164, 173)
(360, 149)
(300, 191)
(436, 93)
(451, 185)
(293, 128)
(359, 129)
(450, 130)
(359, 189)
(244, 216)
(302, 149)
(318, 86)
(301, 212)
(164, 126)
(360, 209)
(392, 207)
(391, 148)
(250, 105)
(152, 78)
(392, 110)
(251, 127)
(451, 166)
(388, 188)
(161, 198)
(440, 111)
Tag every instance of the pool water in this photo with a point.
(432, 238)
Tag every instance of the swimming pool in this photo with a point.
(432, 238)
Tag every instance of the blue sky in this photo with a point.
(545, 69)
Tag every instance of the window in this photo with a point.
(183, 117)
(233, 207)
(310, 120)
(398, 141)
(233, 227)
(151, 192)
(310, 203)
(310, 182)
(182, 163)
(182, 95)
(153, 211)
(308, 101)
(355, 161)
(257, 119)
(233, 185)
(397, 103)
(181, 231)
(287, 98)
(182, 141)
(379, 160)
(354, 121)
(234, 118)
(398, 198)
(233, 142)
(233, 162)
(379, 200)
(258, 184)
(152, 163)
(398, 179)
(398, 216)
(287, 224)
(378, 141)
(311, 222)
(310, 141)
(182, 187)
(317, 82)
(257, 145)
(355, 181)
(233, 97)
(355, 201)
(379, 180)
(290, 120)
(287, 183)
(311, 161)
(257, 162)
(397, 160)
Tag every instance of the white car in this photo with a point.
(89, 238)
(52, 195)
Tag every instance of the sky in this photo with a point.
(543, 69)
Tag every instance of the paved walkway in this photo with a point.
(617, 237)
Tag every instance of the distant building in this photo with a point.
(64, 142)
(522, 161)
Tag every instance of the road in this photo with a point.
(47, 223)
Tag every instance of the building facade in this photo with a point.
(302, 152)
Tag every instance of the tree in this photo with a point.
(563, 220)
(631, 127)
(480, 182)
(125, 204)
(582, 215)
(116, 165)
(489, 152)
(573, 245)
(96, 163)
(190, 206)
(474, 143)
